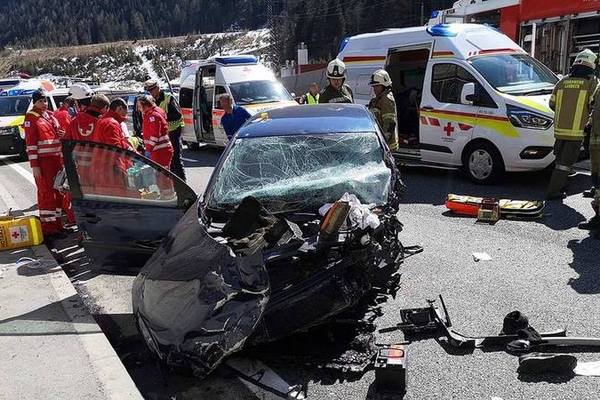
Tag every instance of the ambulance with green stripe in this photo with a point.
(14, 103)
(467, 97)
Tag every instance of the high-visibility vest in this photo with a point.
(571, 100)
(165, 105)
(310, 99)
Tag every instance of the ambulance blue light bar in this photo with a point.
(343, 44)
(443, 30)
(17, 92)
(236, 60)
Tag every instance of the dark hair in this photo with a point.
(100, 101)
(581, 71)
(68, 101)
(85, 102)
(116, 103)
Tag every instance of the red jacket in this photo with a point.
(41, 136)
(63, 117)
(82, 126)
(156, 130)
(108, 130)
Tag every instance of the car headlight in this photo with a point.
(7, 130)
(522, 118)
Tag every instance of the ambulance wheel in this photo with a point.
(482, 163)
(193, 146)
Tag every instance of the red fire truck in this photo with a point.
(553, 31)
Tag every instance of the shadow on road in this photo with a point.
(586, 264)
(204, 157)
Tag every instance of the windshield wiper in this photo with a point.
(538, 92)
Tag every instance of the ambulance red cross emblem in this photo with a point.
(15, 234)
(449, 129)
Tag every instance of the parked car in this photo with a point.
(258, 257)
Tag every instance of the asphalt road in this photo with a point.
(547, 268)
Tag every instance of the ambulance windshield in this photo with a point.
(256, 92)
(11, 106)
(516, 74)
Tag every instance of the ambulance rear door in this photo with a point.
(203, 102)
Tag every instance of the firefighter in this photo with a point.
(171, 107)
(383, 107)
(44, 152)
(312, 96)
(156, 132)
(62, 115)
(82, 96)
(570, 101)
(336, 90)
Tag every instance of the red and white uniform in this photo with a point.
(44, 152)
(109, 130)
(82, 128)
(63, 117)
(156, 136)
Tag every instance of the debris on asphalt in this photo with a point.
(491, 209)
(33, 263)
(588, 368)
(535, 363)
(481, 257)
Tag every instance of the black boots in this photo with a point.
(590, 193)
(593, 223)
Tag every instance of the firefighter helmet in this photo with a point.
(336, 69)
(380, 77)
(586, 58)
(80, 91)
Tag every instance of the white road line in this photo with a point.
(8, 199)
(20, 170)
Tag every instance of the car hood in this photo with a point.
(195, 297)
(11, 121)
(539, 103)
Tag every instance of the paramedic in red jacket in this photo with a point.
(44, 152)
(156, 132)
(110, 167)
(62, 114)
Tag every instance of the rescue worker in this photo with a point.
(110, 167)
(156, 132)
(312, 96)
(383, 107)
(570, 101)
(82, 95)
(171, 107)
(234, 117)
(62, 114)
(594, 148)
(44, 152)
(336, 90)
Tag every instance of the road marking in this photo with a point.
(8, 199)
(20, 170)
(190, 160)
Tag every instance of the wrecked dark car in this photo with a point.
(297, 224)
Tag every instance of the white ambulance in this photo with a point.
(467, 97)
(249, 83)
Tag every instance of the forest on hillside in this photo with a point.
(321, 24)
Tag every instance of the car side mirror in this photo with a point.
(467, 94)
(560, 76)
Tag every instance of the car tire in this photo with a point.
(193, 146)
(482, 163)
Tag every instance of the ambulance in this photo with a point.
(467, 97)
(14, 103)
(249, 83)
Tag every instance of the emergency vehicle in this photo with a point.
(249, 83)
(14, 104)
(467, 96)
(553, 31)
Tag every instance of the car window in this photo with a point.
(108, 173)
(447, 82)
(219, 90)
(14, 105)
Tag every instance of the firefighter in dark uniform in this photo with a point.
(336, 90)
(171, 107)
(383, 107)
(570, 101)
(594, 146)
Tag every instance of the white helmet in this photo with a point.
(381, 77)
(586, 58)
(336, 69)
(80, 91)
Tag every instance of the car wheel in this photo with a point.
(193, 146)
(482, 163)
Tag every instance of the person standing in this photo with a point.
(156, 132)
(44, 152)
(383, 107)
(62, 114)
(171, 107)
(312, 96)
(570, 102)
(336, 90)
(234, 117)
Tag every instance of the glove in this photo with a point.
(147, 154)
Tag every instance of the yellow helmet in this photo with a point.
(586, 58)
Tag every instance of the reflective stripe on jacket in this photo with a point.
(310, 99)
(595, 121)
(156, 130)
(41, 137)
(571, 103)
(383, 107)
(165, 106)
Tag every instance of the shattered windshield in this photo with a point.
(14, 105)
(255, 92)
(303, 172)
(517, 74)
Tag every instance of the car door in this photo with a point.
(446, 125)
(124, 203)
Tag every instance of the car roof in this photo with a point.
(309, 119)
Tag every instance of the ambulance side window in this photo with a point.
(219, 90)
(447, 82)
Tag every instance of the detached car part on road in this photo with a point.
(247, 263)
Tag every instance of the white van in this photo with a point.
(249, 83)
(14, 104)
(467, 96)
